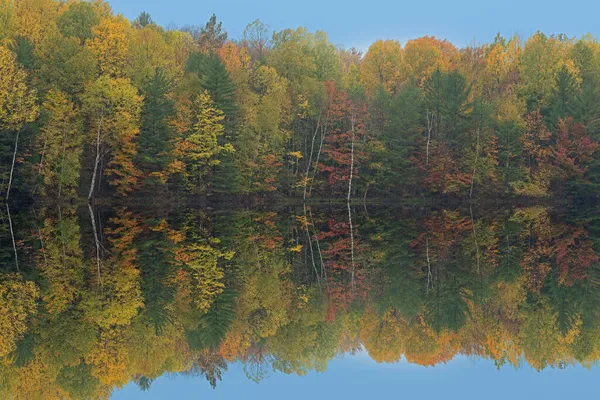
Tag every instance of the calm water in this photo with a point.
(301, 299)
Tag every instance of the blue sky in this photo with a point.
(358, 23)
(358, 377)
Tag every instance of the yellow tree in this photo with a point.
(7, 21)
(110, 45)
(202, 258)
(61, 142)
(17, 105)
(200, 125)
(382, 67)
(501, 66)
(61, 261)
(112, 107)
(35, 19)
(149, 50)
(426, 54)
(541, 60)
(116, 299)
(17, 305)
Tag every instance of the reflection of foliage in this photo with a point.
(17, 304)
(214, 324)
(195, 293)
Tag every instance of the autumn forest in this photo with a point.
(175, 200)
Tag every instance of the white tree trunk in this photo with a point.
(429, 130)
(312, 145)
(97, 241)
(323, 134)
(348, 199)
(12, 235)
(12, 166)
(91, 193)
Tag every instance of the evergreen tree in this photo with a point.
(156, 128)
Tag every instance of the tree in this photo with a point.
(212, 36)
(65, 65)
(541, 60)
(148, 51)
(425, 55)
(17, 108)
(17, 305)
(574, 149)
(197, 148)
(60, 144)
(538, 153)
(35, 19)
(209, 74)
(399, 155)
(257, 35)
(346, 128)
(382, 67)
(112, 109)
(157, 134)
(143, 20)
(110, 45)
(61, 261)
(447, 108)
(78, 20)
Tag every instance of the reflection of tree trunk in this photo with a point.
(12, 166)
(475, 239)
(62, 165)
(312, 254)
(312, 222)
(97, 160)
(348, 199)
(62, 238)
(12, 235)
(429, 275)
(40, 236)
(93, 219)
(312, 145)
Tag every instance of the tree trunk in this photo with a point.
(312, 253)
(97, 241)
(348, 200)
(312, 145)
(429, 130)
(12, 235)
(91, 193)
(62, 166)
(12, 166)
(323, 133)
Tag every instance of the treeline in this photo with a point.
(93, 103)
(190, 292)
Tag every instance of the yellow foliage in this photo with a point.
(110, 45)
(17, 305)
(17, 101)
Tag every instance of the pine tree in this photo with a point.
(156, 138)
(400, 141)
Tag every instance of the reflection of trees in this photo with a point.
(190, 292)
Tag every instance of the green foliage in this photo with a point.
(78, 20)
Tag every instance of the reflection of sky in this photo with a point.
(358, 377)
(359, 22)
